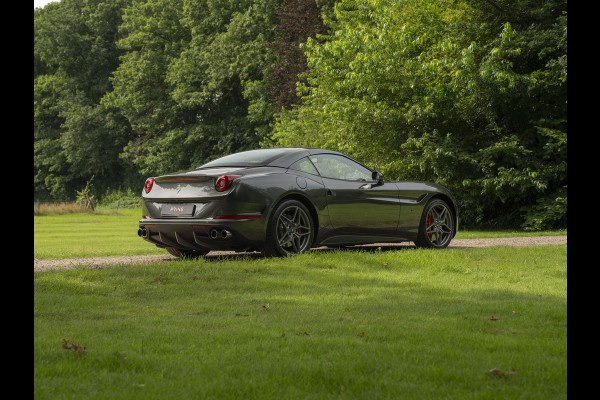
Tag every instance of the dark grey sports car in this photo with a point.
(284, 201)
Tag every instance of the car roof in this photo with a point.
(286, 157)
(295, 153)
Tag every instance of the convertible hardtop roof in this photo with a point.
(292, 154)
(272, 157)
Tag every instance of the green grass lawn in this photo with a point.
(90, 235)
(407, 324)
(109, 234)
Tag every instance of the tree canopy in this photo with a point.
(467, 93)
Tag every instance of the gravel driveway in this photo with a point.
(100, 262)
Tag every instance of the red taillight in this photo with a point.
(224, 181)
(148, 185)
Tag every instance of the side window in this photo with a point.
(304, 165)
(339, 167)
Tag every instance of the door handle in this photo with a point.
(366, 186)
(330, 192)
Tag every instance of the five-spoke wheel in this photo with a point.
(437, 225)
(290, 230)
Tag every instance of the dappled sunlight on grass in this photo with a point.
(408, 322)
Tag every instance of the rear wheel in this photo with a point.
(186, 253)
(290, 230)
(437, 225)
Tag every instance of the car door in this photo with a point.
(357, 204)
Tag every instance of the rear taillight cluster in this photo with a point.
(148, 185)
(224, 182)
(221, 184)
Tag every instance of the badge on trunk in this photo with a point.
(177, 210)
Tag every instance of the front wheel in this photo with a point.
(290, 230)
(437, 225)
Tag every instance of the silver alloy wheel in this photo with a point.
(439, 225)
(293, 230)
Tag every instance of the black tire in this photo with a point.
(436, 228)
(290, 230)
(186, 253)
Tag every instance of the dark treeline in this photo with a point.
(467, 93)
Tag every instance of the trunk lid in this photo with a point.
(192, 184)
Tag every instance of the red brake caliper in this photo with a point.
(428, 225)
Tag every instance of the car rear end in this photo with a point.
(195, 210)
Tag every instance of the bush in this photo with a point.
(126, 199)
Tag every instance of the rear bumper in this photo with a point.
(202, 234)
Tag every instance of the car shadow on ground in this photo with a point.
(370, 248)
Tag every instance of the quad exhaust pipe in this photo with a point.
(214, 233)
(220, 234)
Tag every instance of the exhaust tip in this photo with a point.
(220, 234)
(142, 232)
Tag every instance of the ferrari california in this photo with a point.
(284, 201)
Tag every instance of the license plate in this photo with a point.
(177, 210)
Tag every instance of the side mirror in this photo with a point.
(378, 176)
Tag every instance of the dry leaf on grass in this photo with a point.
(497, 372)
(302, 333)
(360, 334)
(66, 344)
(266, 307)
(494, 318)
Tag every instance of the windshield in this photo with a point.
(252, 158)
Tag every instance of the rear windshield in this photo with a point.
(252, 158)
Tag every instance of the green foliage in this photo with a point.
(125, 198)
(188, 77)
(129, 88)
(468, 93)
(84, 197)
(74, 136)
(467, 96)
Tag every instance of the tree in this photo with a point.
(472, 96)
(74, 136)
(298, 21)
(184, 81)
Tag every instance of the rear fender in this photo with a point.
(263, 193)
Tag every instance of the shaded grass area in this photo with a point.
(395, 324)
